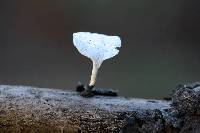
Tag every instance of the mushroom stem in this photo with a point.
(94, 74)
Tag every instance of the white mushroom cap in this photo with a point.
(97, 47)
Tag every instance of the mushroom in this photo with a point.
(97, 47)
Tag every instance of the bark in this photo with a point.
(31, 109)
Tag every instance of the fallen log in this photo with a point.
(31, 109)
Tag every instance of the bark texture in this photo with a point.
(31, 109)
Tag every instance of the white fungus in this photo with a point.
(97, 47)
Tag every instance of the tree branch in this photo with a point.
(32, 109)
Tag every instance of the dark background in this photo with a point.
(160, 43)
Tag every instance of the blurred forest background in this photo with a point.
(160, 43)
